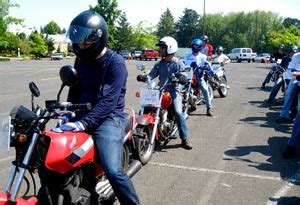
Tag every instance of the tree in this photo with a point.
(51, 28)
(124, 34)
(287, 36)
(109, 11)
(37, 44)
(166, 25)
(185, 27)
(143, 37)
(6, 20)
(291, 22)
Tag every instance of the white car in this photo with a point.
(57, 56)
(136, 54)
(262, 57)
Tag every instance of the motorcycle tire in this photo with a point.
(223, 90)
(144, 149)
(210, 92)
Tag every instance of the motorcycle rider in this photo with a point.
(102, 82)
(208, 48)
(284, 63)
(164, 69)
(198, 61)
(221, 58)
(279, 54)
(291, 91)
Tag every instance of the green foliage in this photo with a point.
(4, 59)
(6, 20)
(51, 28)
(37, 44)
(166, 25)
(143, 38)
(108, 9)
(9, 43)
(186, 27)
(124, 34)
(287, 36)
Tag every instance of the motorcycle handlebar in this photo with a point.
(71, 107)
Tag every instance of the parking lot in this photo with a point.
(236, 157)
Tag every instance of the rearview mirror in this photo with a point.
(68, 75)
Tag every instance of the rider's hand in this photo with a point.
(72, 126)
(141, 78)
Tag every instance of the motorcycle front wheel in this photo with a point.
(222, 90)
(144, 148)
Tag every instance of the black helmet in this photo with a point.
(205, 38)
(88, 26)
(220, 49)
(293, 49)
(281, 46)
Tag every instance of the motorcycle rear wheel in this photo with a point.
(144, 148)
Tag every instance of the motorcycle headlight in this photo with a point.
(22, 119)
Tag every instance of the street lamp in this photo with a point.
(203, 17)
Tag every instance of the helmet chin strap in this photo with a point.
(102, 53)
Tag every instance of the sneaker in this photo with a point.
(228, 87)
(209, 112)
(283, 120)
(289, 152)
(186, 144)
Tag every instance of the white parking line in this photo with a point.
(7, 158)
(216, 171)
(284, 189)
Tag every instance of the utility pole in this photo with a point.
(203, 17)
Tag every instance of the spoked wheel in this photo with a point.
(144, 148)
(223, 89)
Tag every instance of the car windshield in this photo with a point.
(56, 54)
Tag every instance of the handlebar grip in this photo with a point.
(84, 106)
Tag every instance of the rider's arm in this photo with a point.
(154, 72)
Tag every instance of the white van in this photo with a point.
(241, 54)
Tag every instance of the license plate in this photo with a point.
(5, 134)
(149, 98)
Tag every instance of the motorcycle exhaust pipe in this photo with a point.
(133, 168)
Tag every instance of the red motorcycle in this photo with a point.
(66, 162)
(156, 120)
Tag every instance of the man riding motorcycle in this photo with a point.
(207, 48)
(198, 61)
(102, 82)
(164, 69)
(279, 54)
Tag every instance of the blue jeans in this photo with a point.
(290, 94)
(269, 75)
(295, 137)
(276, 87)
(202, 84)
(109, 143)
(181, 123)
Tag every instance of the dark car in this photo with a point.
(125, 54)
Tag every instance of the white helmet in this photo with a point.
(170, 42)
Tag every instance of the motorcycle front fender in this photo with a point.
(19, 201)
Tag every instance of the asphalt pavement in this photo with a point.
(236, 157)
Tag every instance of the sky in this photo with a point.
(37, 13)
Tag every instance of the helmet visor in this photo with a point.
(79, 34)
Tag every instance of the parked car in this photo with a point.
(241, 54)
(262, 57)
(136, 54)
(125, 54)
(149, 54)
(57, 56)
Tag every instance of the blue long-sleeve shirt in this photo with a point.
(106, 101)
